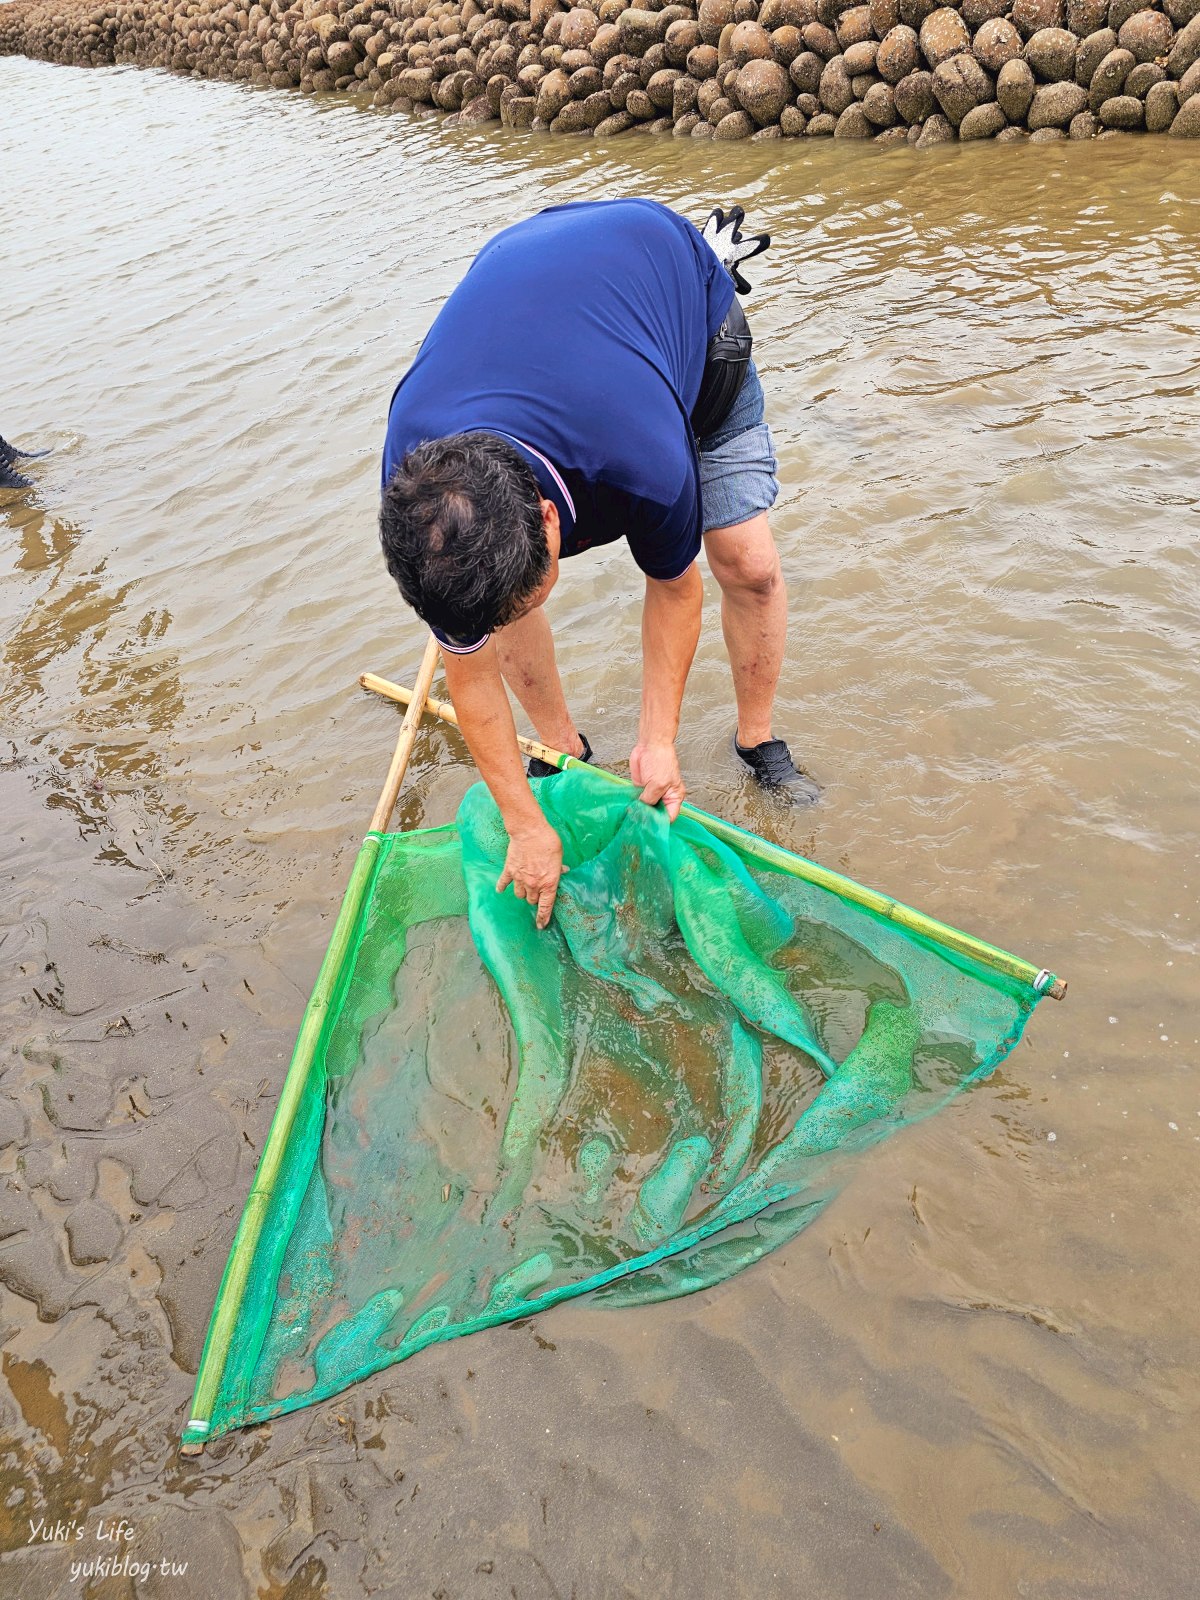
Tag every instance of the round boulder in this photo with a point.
(879, 106)
(606, 44)
(683, 96)
(822, 41)
(997, 42)
(592, 111)
(937, 130)
(763, 89)
(860, 58)
(853, 124)
(1109, 77)
(519, 112)
(853, 26)
(750, 42)
(805, 72)
(622, 87)
(984, 122)
(786, 13)
(1030, 15)
(682, 36)
(713, 16)
(553, 92)
(342, 58)
(1086, 16)
(1181, 12)
(1185, 52)
(661, 89)
(1083, 126)
(1123, 111)
(1055, 104)
(619, 122)
(977, 12)
(1091, 53)
(914, 97)
(1162, 102)
(734, 125)
(702, 62)
(1051, 54)
(1143, 78)
(899, 54)
(943, 34)
(1187, 122)
(835, 92)
(786, 44)
(585, 81)
(578, 29)
(960, 85)
(914, 12)
(640, 29)
(1147, 35)
(1015, 88)
(707, 94)
(885, 14)
(1120, 11)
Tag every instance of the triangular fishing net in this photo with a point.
(483, 1119)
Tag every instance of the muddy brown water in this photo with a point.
(977, 1373)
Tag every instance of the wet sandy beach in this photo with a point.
(976, 1373)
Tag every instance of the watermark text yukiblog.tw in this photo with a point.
(101, 1549)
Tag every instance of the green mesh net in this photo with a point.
(483, 1120)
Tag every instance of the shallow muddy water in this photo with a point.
(977, 1373)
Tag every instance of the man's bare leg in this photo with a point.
(745, 563)
(526, 651)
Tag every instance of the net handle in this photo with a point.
(1042, 981)
(390, 792)
(232, 1291)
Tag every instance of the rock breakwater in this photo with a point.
(892, 71)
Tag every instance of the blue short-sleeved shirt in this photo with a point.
(580, 336)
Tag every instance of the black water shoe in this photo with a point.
(538, 768)
(772, 765)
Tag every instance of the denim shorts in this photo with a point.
(737, 462)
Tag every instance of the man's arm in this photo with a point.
(533, 864)
(670, 630)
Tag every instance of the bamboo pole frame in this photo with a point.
(232, 1292)
(409, 728)
(774, 856)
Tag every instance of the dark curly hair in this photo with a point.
(461, 530)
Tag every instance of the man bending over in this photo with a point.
(588, 380)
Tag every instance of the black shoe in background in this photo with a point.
(538, 768)
(772, 765)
